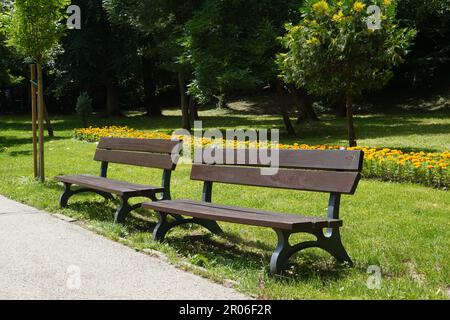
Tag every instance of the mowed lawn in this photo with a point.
(402, 228)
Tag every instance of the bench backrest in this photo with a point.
(334, 171)
(152, 153)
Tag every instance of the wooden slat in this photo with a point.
(151, 160)
(142, 145)
(241, 215)
(310, 180)
(346, 160)
(108, 185)
(254, 211)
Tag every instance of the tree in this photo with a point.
(84, 107)
(232, 44)
(428, 64)
(337, 49)
(126, 15)
(34, 30)
(160, 25)
(5, 53)
(99, 57)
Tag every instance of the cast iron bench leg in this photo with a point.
(331, 243)
(164, 226)
(68, 192)
(64, 199)
(125, 208)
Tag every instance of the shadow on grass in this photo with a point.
(230, 251)
(12, 141)
(244, 258)
(329, 130)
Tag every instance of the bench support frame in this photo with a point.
(68, 192)
(125, 208)
(164, 225)
(329, 241)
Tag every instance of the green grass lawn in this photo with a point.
(402, 228)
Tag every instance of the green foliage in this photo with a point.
(428, 63)
(231, 44)
(160, 25)
(97, 53)
(8, 62)
(84, 104)
(333, 51)
(84, 107)
(35, 27)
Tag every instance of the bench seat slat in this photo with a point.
(308, 180)
(203, 210)
(109, 185)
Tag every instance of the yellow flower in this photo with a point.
(358, 6)
(321, 6)
(338, 17)
(313, 41)
(296, 28)
(387, 2)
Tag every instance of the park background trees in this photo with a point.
(157, 54)
(333, 51)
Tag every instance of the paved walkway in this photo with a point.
(42, 257)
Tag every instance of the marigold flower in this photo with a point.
(358, 6)
(321, 7)
(338, 17)
(313, 41)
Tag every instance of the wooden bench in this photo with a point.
(332, 171)
(152, 153)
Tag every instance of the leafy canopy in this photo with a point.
(231, 45)
(332, 50)
(35, 27)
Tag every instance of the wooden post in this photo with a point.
(33, 118)
(41, 121)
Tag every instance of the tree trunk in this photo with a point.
(350, 124)
(221, 101)
(193, 110)
(304, 103)
(84, 120)
(184, 102)
(40, 107)
(48, 122)
(151, 105)
(283, 108)
(112, 99)
(33, 120)
(341, 107)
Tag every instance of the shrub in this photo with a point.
(84, 107)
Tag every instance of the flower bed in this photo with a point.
(430, 169)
